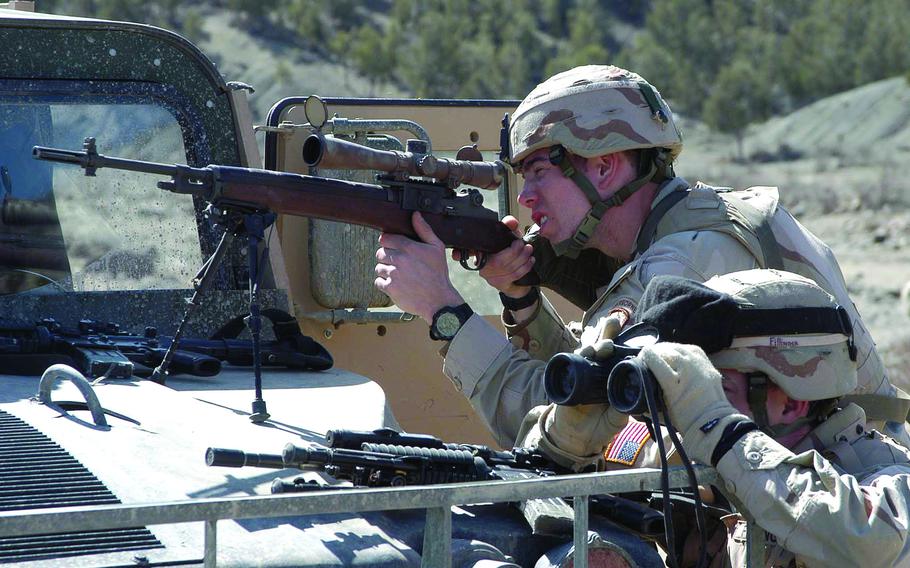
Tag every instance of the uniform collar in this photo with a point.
(668, 187)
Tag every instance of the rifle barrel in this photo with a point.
(89, 160)
(224, 457)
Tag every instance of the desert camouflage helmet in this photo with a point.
(806, 366)
(591, 111)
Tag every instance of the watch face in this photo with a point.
(448, 324)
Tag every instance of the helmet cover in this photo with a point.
(805, 366)
(593, 110)
(768, 321)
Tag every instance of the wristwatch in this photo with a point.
(448, 320)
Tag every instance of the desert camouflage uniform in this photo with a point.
(503, 377)
(840, 498)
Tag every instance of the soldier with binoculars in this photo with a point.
(751, 368)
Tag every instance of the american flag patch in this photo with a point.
(626, 445)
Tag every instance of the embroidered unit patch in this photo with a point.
(625, 446)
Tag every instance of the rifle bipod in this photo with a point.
(250, 226)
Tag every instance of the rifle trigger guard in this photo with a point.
(480, 260)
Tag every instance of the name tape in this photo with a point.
(789, 341)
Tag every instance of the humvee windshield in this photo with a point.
(64, 231)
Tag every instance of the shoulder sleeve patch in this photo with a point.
(627, 444)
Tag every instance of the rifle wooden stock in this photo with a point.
(361, 204)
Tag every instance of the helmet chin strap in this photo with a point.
(572, 246)
(758, 404)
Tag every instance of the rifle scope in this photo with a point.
(336, 153)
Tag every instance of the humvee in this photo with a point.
(112, 473)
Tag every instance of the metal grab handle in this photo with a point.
(56, 373)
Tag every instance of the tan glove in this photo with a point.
(575, 436)
(693, 394)
(599, 351)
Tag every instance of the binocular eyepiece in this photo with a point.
(622, 379)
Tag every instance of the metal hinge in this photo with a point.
(282, 128)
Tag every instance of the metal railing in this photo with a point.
(436, 499)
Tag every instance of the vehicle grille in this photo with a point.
(36, 473)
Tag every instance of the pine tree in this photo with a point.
(586, 44)
(739, 98)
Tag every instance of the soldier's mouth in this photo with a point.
(541, 220)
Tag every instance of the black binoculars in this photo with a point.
(621, 379)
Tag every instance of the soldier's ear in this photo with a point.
(606, 169)
(794, 410)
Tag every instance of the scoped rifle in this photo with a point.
(459, 218)
(245, 201)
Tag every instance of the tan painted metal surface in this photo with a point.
(396, 354)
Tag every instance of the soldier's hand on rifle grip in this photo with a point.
(414, 274)
(504, 268)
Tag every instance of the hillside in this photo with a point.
(855, 122)
(858, 138)
(275, 68)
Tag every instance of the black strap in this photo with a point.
(731, 434)
(284, 325)
(791, 321)
(648, 230)
(525, 301)
(758, 398)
